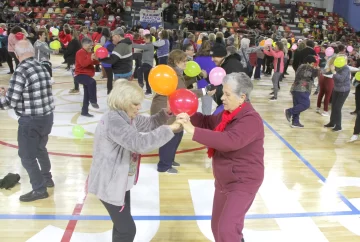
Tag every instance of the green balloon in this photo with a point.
(192, 69)
(340, 62)
(357, 76)
(78, 131)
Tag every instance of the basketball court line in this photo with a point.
(311, 167)
(77, 210)
(171, 217)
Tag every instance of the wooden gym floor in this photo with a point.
(311, 191)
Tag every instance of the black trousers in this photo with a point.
(357, 98)
(167, 152)
(9, 61)
(338, 100)
(110, 78)
(143, 73)
(33, 135)
(124, 228)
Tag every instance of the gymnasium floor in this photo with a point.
(311, 190)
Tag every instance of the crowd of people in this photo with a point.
(234, 133)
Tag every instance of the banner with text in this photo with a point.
(152, 17)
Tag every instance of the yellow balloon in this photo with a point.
(274, 44)
(97, 47)
(357, 76)
(288, 45)
(55, 45)
(340, 62)
(55, 32)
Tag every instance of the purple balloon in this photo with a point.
(217, 75)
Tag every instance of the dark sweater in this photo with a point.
(342, 81)
(121, 58)
(300, 56)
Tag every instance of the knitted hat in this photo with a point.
(118, 31)
(218, 50)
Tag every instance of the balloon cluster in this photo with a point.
(164, 81)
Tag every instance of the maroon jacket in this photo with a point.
(238, 162)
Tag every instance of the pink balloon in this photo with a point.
(294, 47)
(350, 48)
(217, 75)
(146, 31)
(329, 51)
(268, 42)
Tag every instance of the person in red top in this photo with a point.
(96, 36)
(84, 72)
(235, 138)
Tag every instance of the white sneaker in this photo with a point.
(318, 110)
(325, 114)
(52, 81)
(353, 138)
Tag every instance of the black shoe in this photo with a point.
(33, 196)
(297, 125)
(49, 183)
(95, 105)
(337, 128)
(273, 99)
(271, 94)
(288, 115)
(242, 240)
(175, 164)
(329, 125)
(316, 93)
(87, 115)
(353, 113)
(10, 73)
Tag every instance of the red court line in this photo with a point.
(70, 228)
(90, 156)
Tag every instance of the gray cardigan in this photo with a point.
(116, 138)
(342, 81)
(42, 51)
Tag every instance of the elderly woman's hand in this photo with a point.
(185, 122)
(183, 116)
(204, 74)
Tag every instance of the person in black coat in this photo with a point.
(301, 56)
(229, 62)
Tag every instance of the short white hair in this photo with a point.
(124, 94)
(245, 43)
(240, 83)
(21, 50)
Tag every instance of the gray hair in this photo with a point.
(240, 83)
(245, 43)
(86, 41)
(21, 49)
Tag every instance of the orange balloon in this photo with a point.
(163, 80)
(262, 43)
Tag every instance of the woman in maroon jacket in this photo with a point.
(235, 139)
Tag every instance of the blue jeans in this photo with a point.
(89, 85)
(125, 76)
(167, 152)
(33, 135)
(301, 102)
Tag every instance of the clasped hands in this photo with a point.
(183, 121)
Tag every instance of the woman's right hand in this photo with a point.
(175, 126)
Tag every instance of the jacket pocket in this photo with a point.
(236, 174)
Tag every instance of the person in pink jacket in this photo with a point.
(278, 54)
(235, 138)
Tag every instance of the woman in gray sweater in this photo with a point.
(342, 84)
(120, 137)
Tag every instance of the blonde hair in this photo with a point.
(124, 94)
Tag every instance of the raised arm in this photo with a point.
(131, 139)
(205, 121)
(244, 132)
(146, 124)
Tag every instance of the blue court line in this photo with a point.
(312, 168)
(172, 218)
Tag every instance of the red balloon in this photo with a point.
(183, 101)
(102, 53)
(1, 30)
